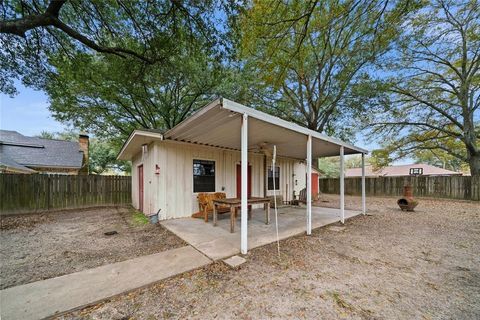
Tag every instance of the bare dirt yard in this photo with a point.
(42, 246)
(387, 265)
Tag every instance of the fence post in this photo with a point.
(48, 191)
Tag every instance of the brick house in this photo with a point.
(22, 154)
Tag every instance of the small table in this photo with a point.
(234, 203)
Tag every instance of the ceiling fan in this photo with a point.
(263, 147)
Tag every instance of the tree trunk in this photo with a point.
(474, 161)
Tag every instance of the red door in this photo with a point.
(140, 188)
(314, 184)
(239, 181)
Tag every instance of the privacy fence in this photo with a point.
(28, 193)
(453, 187)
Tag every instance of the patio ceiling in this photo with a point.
(219, 124)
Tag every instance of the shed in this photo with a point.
(218, 149)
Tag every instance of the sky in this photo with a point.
(27, 112)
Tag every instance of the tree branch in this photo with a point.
(50, 18)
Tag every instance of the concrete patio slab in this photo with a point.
(45, 298)
(218, 243)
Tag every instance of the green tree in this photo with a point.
(441, 159)
(330, 167)
(434, 89)
(313, 57)
(31, 31)
(111, 96)
(103, 158)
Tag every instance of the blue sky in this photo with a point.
(27, 112)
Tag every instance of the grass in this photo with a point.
(139, 218)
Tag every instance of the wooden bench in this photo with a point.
(205, 204)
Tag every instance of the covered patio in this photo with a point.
(218, 243)
(229, 125)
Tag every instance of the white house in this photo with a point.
(214, 150)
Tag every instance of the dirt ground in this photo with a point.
(387, 265)
(42, 246)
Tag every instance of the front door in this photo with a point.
(239, 181)
(315, 183)
(140, 188)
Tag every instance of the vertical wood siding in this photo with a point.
(172, 190)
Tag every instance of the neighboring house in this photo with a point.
(203, 154)
(22, 154)
(417, 169)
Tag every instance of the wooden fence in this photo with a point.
(28, 193)
(453, 187)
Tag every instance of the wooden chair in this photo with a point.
(302, 197)
(205, 204)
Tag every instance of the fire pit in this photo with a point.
(407, 202)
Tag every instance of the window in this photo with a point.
(416, 171)
(270, 178)
(203, 176)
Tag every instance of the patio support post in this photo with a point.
(244, 193)
(342, 185)
(364, 205)
(309, 185)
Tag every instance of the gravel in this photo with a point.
(387, 265)
(42, 246)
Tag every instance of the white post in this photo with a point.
(309, 185)
(364, 205)
(342, 185)
(244, 194)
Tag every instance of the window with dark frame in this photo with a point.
(270, 178)
(203, 176)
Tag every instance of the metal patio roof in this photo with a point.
(218, 124)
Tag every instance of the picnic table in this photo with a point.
(235, 203)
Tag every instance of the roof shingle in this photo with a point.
(36, 152)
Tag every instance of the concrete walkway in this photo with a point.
(45, 298)
(218, 243)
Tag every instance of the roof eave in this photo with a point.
(122, 154)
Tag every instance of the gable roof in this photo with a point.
(401, 170)
(18, 152)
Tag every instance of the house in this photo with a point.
(224, 147)
(22, 154)
(416, 169)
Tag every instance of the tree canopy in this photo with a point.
(433, 86)
(313, 57)
(31, 31)
(409, 69)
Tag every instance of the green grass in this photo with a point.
(139, 218)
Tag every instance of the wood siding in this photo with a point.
(172, 189)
